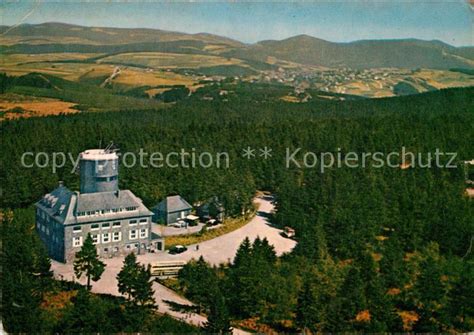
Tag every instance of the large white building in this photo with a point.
(117, 220)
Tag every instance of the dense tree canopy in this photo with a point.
(378, 249)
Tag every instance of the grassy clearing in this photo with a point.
(132, 77)
(90, 100)
(170, 60)
(14, 106)
(14, 59)
(229, 226)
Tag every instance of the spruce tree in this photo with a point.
(218, 321)
(87, 262)
(134, 280)
(243, 253)
(127, 276)
(144, 287)
(305, 313)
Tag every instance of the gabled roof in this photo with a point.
(63, 205)
(58, 203)
(214, 201)
(172, 204)
(106, 200)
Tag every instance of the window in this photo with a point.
(95, 238)
(116, 236)
(106, 249)
(106, 238)
(77, 229)
(133, 234)
(143, 221)
(133, 222)
(117, 224)
(77, 241)
(95, 226)
(100, 166)
(105, 225)
(143, 233)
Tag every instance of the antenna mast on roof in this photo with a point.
(111, 148)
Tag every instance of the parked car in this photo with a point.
(212, 222)
(177, 249)
(288, 232)
(179, 224)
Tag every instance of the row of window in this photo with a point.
(106, 211)
(116, 236)
(106, 179)
(48, 232)
(132, 246)
(102, 164)
(106, 225)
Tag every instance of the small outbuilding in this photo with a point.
(171, 210)
(211, 209)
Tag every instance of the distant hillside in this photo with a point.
(361, 54)
(53, 32)
(302, 49)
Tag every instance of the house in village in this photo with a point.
(171, 209)
(117, 220)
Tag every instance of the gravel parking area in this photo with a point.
(219, 250)
(174, 231)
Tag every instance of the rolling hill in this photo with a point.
(409, 53)
(302, 49)
(55, 32)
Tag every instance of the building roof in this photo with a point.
(98, 154)
(214, 201)
(63, 205)
(173, 204)
(58, 203)
(106, 200)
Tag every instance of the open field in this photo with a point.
(18, 59)
(444, 79)
(140, 77)
(14, 106)
(421, 80)
(169, 60)
(153, 73)
(68, 71)
(18, 65)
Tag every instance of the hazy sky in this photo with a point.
(449, 21)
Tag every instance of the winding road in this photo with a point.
(221, 249)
